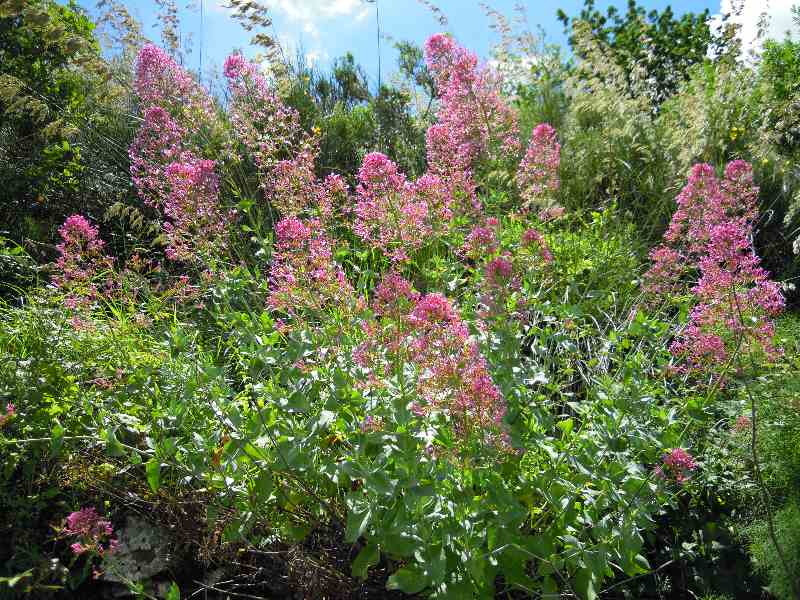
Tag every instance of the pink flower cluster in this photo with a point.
(92, 532)
(532, 238)
(389, 215)
(160, 81)
(81, 262)
(371, 424)
(166, 168)
(304, 276)
(503, 270)
(11, 410)
(426, 332)
(710, 238)
(551, 214)
(537, 176)
(474, 120)
(676, 465)
(270, 131)
(196, 223)
(474, 126)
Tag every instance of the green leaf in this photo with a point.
(263, 486)
(357, 522)
(57, 440)
(566, 426)
(174, 592)
(113, 445)
(153, 470)
(584, 584)
(13, 581)
(407, 580)
(399, 545)
(369, 556)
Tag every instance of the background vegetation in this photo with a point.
(251, 338)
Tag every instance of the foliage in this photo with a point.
(665, 44)
(50, 61)
(409, 341)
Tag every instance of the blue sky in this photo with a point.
(326, 29)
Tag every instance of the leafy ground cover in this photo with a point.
(520, 359)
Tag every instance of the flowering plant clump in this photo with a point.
(537, 176)
(93, 533)
(388, 215)
(710, 238)
(676, 465)
(82, 262)
(474, 120)
(197, 226)
(472, 392)
(160, 81)
(503, 270)
(449, 374)
(166, 167)
(303, 276)
(475, 125)
(11, 410)
(269, 130)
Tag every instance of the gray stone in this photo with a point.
(142, 553)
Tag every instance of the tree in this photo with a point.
(49, 62)
(666, 45)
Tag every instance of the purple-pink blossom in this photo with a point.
(537, 176)
(195, 226)
(709, 244)
(303, 276)
(388, 214)
(474, 125)
(81, 262)
(11, 410)
(677, 465)
(93, 531)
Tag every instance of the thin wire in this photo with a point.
(378, 24)
(202, 19)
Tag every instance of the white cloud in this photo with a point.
(748, 14)
(363, 14)
(316, 10)
(302, 22)
(309, 11)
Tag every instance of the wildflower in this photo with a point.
(270, 130)
(196, 225)
(177, 116)
(10, 412)
(474, 125)
(481, 242)
(371, 424)
(743, 423)
(333, 198)
(710, 236)
(81, 259)
(303, 276)
(93, 531)
(551, 214)
(534, 239)
(537, 176)
(394, 296)
(160, 81)
(388, 215)
(499, 270)
(676, 464)
(292, 185)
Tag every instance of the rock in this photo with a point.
(142, 553)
